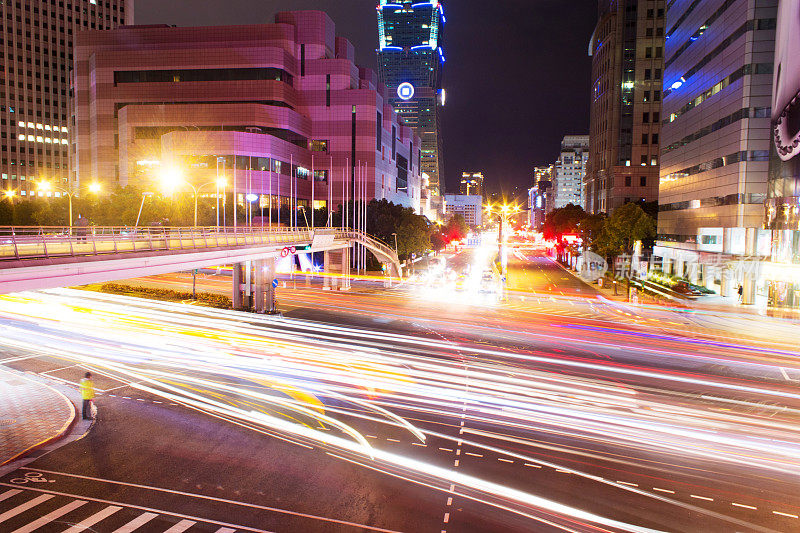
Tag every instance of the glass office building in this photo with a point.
(410, 60)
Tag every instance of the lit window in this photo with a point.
(31, 125)
(39, 139)
(39, 127)
(48, 140)
(31, 138)
(47, 127)
(21, 124)
(21, 137)
(64, 129)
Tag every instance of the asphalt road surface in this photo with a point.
(413, 409)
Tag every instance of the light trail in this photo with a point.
(289, 376)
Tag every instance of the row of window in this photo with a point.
(642, 181)
(243, 162)
(756, 112)
(750, 25)
(715, 201)
(737, 157)
(198, 74)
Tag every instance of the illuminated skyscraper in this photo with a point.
(410, 60)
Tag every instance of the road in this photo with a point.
(412, 409)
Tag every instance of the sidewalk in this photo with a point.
(32, 415)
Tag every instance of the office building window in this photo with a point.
(627, 181)
(643, 181)
(648, 74)
(644, 138)
(646, 117)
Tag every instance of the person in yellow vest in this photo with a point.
(87, 393)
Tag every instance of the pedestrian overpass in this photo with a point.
(48, 257)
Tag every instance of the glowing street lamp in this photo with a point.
(172, 178)
(46, 186)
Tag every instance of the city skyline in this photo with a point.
(523, 119)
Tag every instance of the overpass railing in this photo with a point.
(44, 242)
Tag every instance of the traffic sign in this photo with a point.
(285, 252)
(275, 283)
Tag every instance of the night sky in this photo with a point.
(517, 71)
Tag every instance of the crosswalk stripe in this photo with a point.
(9, 493)
(225, 530)
(86, 523)
(136, 522)
(24, 507)
(181, 526)
(49, 517)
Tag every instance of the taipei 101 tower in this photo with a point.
(410, 60)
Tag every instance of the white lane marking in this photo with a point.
(446, 449)
(225, 530)
(627, 483)
(446, 517)
(450, 500)
(532, 466)
(371, 436)
(9, 493)
(664, 490)
(392, 440)
(181, 526)
(743, 505)
(474, 454)
(418, 444)
(701, 497)
(785, 514)
(88, 522)
(49, 517)
(11, 513)
(134, 524)
(505, 460)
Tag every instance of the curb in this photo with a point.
(65, 429)
(623, 304)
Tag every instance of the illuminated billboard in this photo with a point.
(786, 82)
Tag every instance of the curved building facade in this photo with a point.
(271, 107)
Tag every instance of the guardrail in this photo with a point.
(45, 242)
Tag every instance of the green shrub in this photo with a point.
(213, 300)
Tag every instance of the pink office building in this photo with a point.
(247, 102)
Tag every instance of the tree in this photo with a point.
(625, 226)
(563, 220)
(456, 228)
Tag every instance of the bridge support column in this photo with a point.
(236, 295)
(345, 269)
(264, 290)
(337, 269)
(327, 280)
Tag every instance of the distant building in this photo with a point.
(268, 106)
(471, 183)
(469, 206)
(35, 89)
(540, 196)
(627, 50)
(569, 170)
(410, 61)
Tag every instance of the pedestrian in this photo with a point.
(740, 291)
(87, 393)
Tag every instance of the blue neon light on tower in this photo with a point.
(410, 53)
